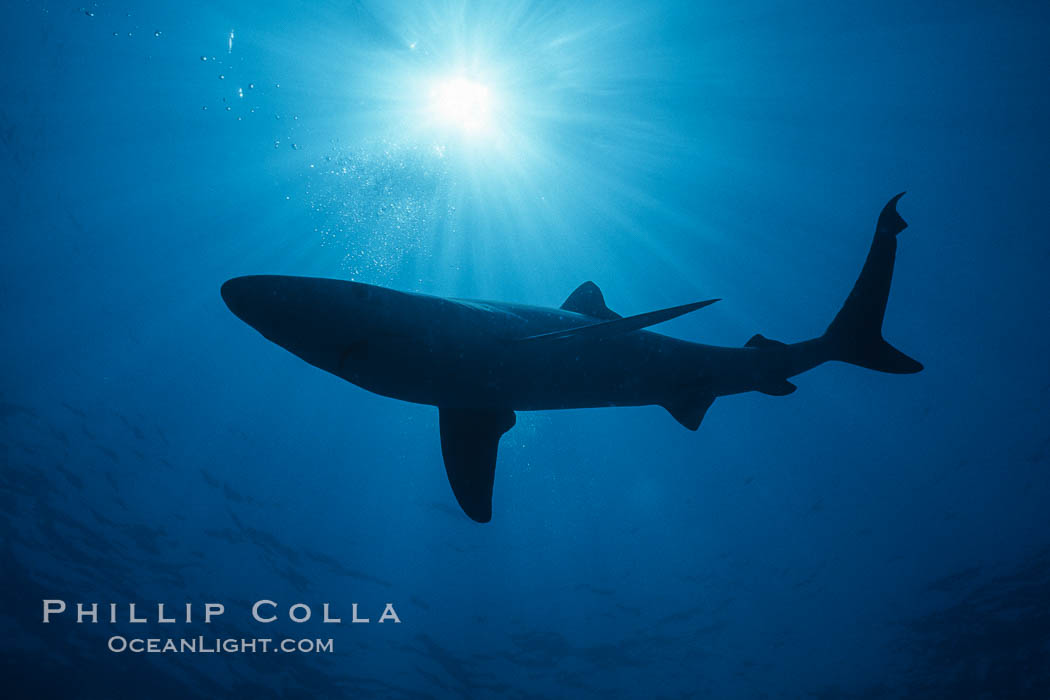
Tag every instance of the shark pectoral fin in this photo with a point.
(619, 326)
(690, 412)
(781, 388)
(469, 441)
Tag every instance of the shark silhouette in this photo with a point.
(480, 361)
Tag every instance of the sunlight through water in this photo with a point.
(462, 103)
(537, 121)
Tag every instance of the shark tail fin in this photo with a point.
(855, 335)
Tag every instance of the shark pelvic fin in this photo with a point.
(588, 300)
(781, 388)
(469, 441)
(691, 411)
(623, 325)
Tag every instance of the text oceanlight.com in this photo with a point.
(217, 645)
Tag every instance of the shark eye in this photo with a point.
(356, 351)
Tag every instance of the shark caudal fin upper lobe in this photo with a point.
(855, 336)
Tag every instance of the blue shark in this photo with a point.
(479, 362)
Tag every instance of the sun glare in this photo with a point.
(461, 103)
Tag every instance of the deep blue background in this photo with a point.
(868, 536)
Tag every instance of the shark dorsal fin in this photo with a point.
(588, 300)
(760, 341)
(620, 324)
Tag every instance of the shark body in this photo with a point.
(480, 361)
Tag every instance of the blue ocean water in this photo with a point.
(869, 536)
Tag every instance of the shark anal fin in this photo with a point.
(760, 341)
(469, 441)
(588, 300)
(781, 388)
(619, 326)
(691, 411)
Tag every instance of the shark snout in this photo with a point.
(241, 295)
(262, 301)
(317, 319)
(297, 313)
